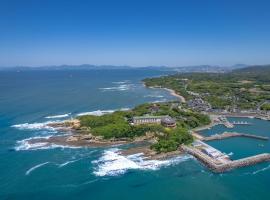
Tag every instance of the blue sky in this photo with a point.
(134, 32)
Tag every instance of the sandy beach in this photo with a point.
(172, 92)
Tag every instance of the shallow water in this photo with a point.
(30, 99)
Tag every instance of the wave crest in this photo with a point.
(35, 167)
(24, 145)
(35, 126)
(261, 170)
(112, 163)
(101, 112)
(120, 86)
(58, 116)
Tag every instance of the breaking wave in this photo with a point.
(119, 86)
(230, 154)
(112, 163)
(123, 87)
(101, 112)
(58, 116)
(261, 170)
(96, 112)
(154, 96)
(68, 162)
(34, 126)
(24, 145)
(121, 82)
(35, 167)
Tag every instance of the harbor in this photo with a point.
(223, 120)
(233, 134)
(216, 160)
(219, 162)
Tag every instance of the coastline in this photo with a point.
(79, 139)
(201, 128)
(139, 145)
(171, 91)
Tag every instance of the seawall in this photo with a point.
(228, 165)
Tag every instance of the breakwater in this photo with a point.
(233, 134)
(224, 165)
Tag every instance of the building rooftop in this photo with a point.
(168, 120)
(150, 117)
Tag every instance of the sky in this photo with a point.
(134, 32)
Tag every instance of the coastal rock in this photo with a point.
(72, 124)
(72, 139)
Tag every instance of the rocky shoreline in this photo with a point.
(81, 138)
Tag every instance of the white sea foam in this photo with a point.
(230, 154)
(112, 163)
(96, 112)
(261, 170)
(35, 167)
(34, 126)
(24, 145)
(68, 162)
(154, 96)
(120, 87)
(58, 116)
(121, 82)
(101, 112)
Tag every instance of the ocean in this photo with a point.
(30, 99)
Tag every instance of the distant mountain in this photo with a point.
(64, 67)
(201, 68)
(198, 68)
(238, 66)
(259, 73)
(184, 69)
(254, 69)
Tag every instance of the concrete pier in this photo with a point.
(241, 123)
(223, 165)
(233, 134)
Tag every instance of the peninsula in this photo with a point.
(162, 126)
(168, 128)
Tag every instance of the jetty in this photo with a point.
(223, 120)
(241, 123)
(216, 160)
(233, 134)
(219, 163)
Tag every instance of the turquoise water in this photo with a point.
(30, 99)
(242, 147)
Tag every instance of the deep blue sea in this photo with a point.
(30, 99)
